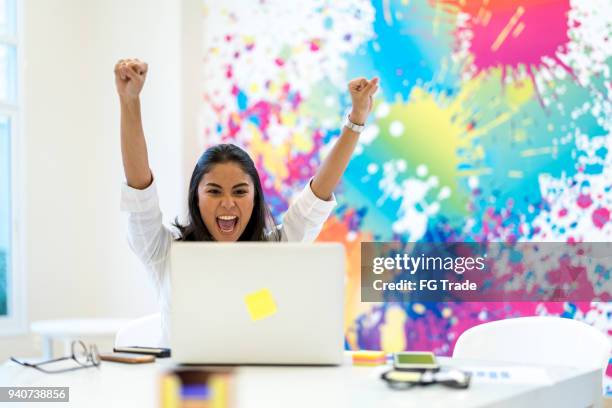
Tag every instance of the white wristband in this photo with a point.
(353, 126)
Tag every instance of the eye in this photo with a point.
(241, 192)
(213, 191)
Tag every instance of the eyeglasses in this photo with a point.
(402, 380)
(84, 356)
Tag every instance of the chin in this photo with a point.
(220, 237)
(226, 239)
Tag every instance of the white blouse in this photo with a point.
(150, 239)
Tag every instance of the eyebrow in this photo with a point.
(237, 185)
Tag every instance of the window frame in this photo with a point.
(14, 323)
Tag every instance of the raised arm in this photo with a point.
(329, 174)
(130, 75)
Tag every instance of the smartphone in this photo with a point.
(154, 351)
(415, 360)
(128, 358)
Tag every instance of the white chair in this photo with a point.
(145, 332)
(536, 340)
(66, 330)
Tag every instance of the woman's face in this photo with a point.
(226, 198)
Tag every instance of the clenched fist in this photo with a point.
(130, 75)
(362, 92)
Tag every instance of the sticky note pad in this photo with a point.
(369, 363)
(369, 358)
(260, 304)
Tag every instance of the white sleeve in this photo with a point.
(147, 236)
(306, 215)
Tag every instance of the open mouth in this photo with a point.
(227, 223)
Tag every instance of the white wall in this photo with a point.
(78, 263)
(192, 54)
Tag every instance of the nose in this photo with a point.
(227, 202)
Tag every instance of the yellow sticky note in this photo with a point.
(260, 304)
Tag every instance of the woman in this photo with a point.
(226, 201)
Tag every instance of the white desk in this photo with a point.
(117, 385)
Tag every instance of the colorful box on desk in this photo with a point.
(196, 388)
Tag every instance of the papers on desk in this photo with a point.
(508, 375)
(496, 374)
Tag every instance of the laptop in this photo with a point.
(257, 303)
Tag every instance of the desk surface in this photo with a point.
(119, 385)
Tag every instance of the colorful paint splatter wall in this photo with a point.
(492, 124)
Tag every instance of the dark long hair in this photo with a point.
(260, 227)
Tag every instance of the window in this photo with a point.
(5, 211)
(11, 298)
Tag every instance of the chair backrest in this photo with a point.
(145, 332)
(532, 340)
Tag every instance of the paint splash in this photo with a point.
(492, 124)
(513, 35)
